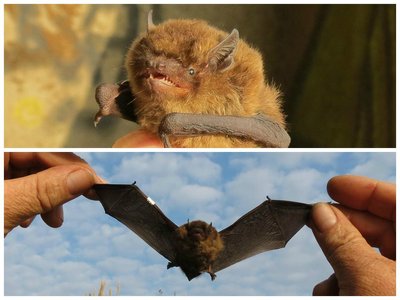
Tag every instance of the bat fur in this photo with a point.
(212, 81)
(198, 246)
(182, 79)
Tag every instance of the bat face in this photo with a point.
(171, 60)
(159, 71)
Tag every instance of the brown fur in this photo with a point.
(240, 90)
(196, 254)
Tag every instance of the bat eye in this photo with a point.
(192, 71)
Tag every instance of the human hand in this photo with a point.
(139, 139)
(39, 183)
(346, 232)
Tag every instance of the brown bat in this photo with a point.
(196, 86)
(197, 247)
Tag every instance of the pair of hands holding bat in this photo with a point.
(39, 183)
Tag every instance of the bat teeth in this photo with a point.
(163, 78)
(167, 80)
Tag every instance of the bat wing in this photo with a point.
(259, 128)
(268, 226)
(129, 205)
(115, 100)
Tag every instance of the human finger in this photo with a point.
(55, 217)
(41, 192)
(349, 254)
(328, 287)
(26, 163)
(364, 193)
(377, 231)
(6, 162)
(26, 223)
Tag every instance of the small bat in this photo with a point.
(196, 86)
(197, 247)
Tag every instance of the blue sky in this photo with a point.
(219, 187)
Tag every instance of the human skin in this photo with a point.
(139, 139)
(346, 233)
(39, 183)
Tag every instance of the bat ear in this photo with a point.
(150, 24)
(209, 227)
(220, 58)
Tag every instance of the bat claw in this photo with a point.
(171, 265)
(212, 275)
(165, 140)
(98, 118)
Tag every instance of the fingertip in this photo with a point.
(27, 222)
(79, 181)
(323, 217)
(92, 195)
(333, 184)
(54, 218)
(328, 287)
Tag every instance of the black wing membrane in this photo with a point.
(129, 205)
(268, 226)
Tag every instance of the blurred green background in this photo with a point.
(334, 63)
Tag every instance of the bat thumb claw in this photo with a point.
(170, 265)
(97, 118)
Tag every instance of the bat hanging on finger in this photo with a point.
(196, 86)
(197, 247)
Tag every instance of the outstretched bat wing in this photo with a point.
(268, 226)
(129, 205)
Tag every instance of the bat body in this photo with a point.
(189, 67)
(197, 247)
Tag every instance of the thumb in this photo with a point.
(38, 193)
(343, 245)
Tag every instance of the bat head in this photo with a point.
(189, 66)
(200, 231)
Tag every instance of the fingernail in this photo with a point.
(79, 181)
(102, 180)
(323, 217)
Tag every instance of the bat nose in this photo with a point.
(160, 66)
(197, 230)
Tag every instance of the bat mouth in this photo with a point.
(197, 233)
(161, 78)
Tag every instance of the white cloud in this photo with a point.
(194, 195)
(155, 165)
(378, 165)
(303, 185)
(251, 187)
